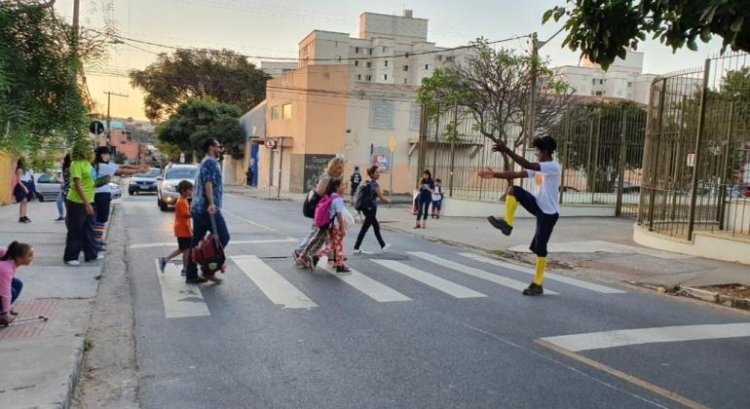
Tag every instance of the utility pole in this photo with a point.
(532, 97)
(109, 118)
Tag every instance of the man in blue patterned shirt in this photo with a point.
(207, 200)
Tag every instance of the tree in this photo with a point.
(222, 75)
(591, 134)
(198, 119)
(604, 29)
(493, 87)
(40, 98)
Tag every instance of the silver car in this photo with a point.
(47, 186)
(167, 193)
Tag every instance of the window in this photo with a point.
(336, 44)
(356, 63)
(369, 64)
(386, 63)
(440, 58)
(368, 78)
(359, 77)
(601, 82)
(406, 81)
(406, 68)
(382, 113)
(593, 81)
(415, 116)
(356, 50)
(630, 84)
(385, 77)
(384, 48)
(598, 93)
(286, 112)
(276, 112)
(370, 51)
(427, 66)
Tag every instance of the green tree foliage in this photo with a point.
(589, 139)
(605, 29)
(222, 75)
(198, 119)
(40, 100)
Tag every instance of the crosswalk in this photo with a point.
(280, 283)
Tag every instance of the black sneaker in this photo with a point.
(501, 225)
(195, 280)
(315, 261)
(533, 289)
(343, 270)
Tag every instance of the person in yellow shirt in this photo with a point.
(80, 216)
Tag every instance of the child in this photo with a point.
(181, 227)
(543, 204)
(16, 255)
(336, 231)
(437, 198)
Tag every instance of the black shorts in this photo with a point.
(183, 243)
(544, 222)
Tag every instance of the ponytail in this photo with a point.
(15, 250)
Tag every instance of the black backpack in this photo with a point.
(364, 196)
(311, 202)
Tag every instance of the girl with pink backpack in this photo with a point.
(336, 226)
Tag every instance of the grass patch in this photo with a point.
(88, 344)
(498, 253)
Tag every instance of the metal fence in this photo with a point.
(600, 149)
(696, 163)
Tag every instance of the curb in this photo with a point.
(74, 376)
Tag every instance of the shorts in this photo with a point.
(544, 222)
(437, 204)
(183, 243)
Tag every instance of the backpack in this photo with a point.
(209, 254)
(310, 204)
(364, 196)
(322, 212)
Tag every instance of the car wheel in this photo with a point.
(163, 206)
(130, 192)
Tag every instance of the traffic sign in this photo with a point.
(271, 143)
(96, 128)
(392, 144)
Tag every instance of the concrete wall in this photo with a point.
(7, 179)
(713, 246)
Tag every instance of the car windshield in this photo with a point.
(181, 173)
(153, 173)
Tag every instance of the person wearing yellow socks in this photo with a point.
(543, 203)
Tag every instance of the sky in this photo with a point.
(274, 28)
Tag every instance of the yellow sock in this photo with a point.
(541, 264)
(510, 209)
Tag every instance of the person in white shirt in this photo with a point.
(437, 198)
(543, 204)
(103, 193)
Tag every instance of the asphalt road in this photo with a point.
(410, 331)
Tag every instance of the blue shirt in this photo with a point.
(209, 171)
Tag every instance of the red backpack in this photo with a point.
(209, 254)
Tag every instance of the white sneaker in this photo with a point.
(100, 256)
(357, 251)
(73, 263)
(386, 247)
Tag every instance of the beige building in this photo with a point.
(349, 98)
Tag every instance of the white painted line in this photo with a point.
(475, 272)
(180, 300)
(431, 280)
(174, 244)
(274, 286)
(612, 339)
(366, 285)
(256, 224)
(547, 275)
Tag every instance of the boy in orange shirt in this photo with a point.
(181, 226)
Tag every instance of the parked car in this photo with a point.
(47, 186)
(144, 182)
(116, 191)
(167, 193)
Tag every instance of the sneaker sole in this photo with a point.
(499, 225)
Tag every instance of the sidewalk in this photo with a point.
(597, 248)
(41, 361)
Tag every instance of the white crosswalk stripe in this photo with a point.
(272, 284)
(367, 286)
(474, 272)
(180, 300)
(438, 283)
(551, 276)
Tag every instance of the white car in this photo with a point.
(47, 186)
(167, 193)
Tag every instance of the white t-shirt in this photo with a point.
(547, 186)
(27, 177)
(337, 206)
(105, 169)
(437, 193)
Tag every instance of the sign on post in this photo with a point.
(691, 160)
(271, 144)
(392, 144)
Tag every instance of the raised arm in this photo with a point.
(503, 148)
(488, 173)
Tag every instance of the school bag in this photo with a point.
(364, 196)
(322, 217)
(310, 204)
(208, 253)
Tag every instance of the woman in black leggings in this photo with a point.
(374, 194)
(426, 186)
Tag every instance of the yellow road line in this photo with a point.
(675, 397)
